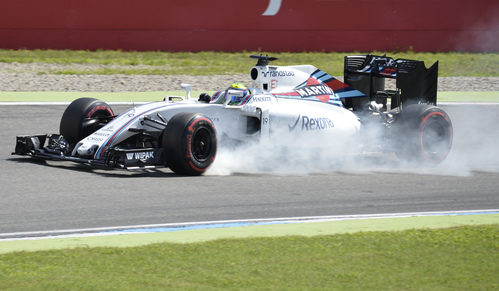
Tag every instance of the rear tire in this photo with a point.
(190, 143)
(423, 134)
(83, 117)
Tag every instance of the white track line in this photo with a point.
(101, 231)
(468, 103)
(62, 103)
(140, 103)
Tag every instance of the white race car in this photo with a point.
(294, 101)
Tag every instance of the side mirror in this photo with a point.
(187, 88)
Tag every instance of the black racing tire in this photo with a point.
(83, 117)
(190, 143)
(422, 134)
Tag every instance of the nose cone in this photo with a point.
(85, 149)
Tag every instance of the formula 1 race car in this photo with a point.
(297, 101)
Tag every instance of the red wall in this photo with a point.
(231, 25)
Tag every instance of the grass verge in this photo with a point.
(471, 96)
(460, 258)
(209, 63)
(273, 230)
(450, 96)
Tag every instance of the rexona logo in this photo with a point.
(140, 156)
(312, 123)
(315, 90)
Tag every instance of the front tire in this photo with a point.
(423, 134)
(190, 143)
(83, 117)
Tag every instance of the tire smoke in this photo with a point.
(475, 148)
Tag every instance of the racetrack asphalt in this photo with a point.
(40, 196)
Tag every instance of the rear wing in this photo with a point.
(367, 73)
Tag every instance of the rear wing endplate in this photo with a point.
(414, 82)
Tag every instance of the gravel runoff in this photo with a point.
(37, 77)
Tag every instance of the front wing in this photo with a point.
(54, 147)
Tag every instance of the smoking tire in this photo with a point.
(423, 134)
(190, 143)
(82, 117)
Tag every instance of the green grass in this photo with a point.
(471, 96)
(207, 63)
(48, 96)
(461, 258)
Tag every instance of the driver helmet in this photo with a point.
(236, 93)
(239, 86)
